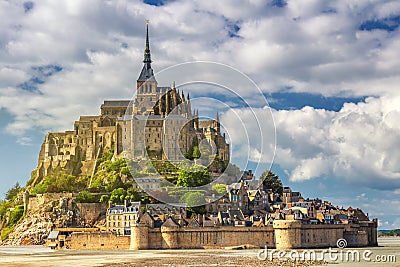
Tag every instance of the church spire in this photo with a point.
(146, 75)
(147, 57)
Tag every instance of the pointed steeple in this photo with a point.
(217, 117)
(147, 74)
(147, 56)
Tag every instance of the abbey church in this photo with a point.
(159, 124)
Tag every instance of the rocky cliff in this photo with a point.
(56, 211)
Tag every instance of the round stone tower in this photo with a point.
(287, 234)
(139, 236)
(170, 237)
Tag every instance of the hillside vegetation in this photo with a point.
(113, 180)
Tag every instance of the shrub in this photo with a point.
(16, 215)
(87, 197)
(5, 232)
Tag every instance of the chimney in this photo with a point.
(200, 219)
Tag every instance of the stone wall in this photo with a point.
(283, 234)
(292, 234)
(97, 240)
(321, 235)
(207, 237)
(91, 212)
(34, 203)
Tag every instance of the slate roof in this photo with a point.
(128, 208)
(53, 235)
(147, 73)
(170, 222)
(236, 214)
(116, 103)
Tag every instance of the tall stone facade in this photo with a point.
(158, 124)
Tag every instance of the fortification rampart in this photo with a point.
(97, 240)
(284, 234)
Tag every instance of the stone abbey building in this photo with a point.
(159, 124)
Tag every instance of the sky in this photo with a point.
(330, 71)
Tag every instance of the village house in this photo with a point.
(120, 218)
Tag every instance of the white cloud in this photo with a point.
(10, 76)
(358, 144)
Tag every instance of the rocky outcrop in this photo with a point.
(35, 226)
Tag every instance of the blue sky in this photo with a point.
(329, 70)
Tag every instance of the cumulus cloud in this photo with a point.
(357, 145)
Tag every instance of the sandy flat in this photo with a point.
(33, 256)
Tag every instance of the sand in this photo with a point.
(33, 256)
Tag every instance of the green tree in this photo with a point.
(189, 154)
(60, 181)
(16, 214)
(134, 194)
(271, 181)
(196, 152)
(13, 192)
(193, 176)
(118, 195)
(193, 199)
(39, 189)
(195, 202)
(4, 207)
(87, 197)
(104, 198)
(114, 182)
(220, 188)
